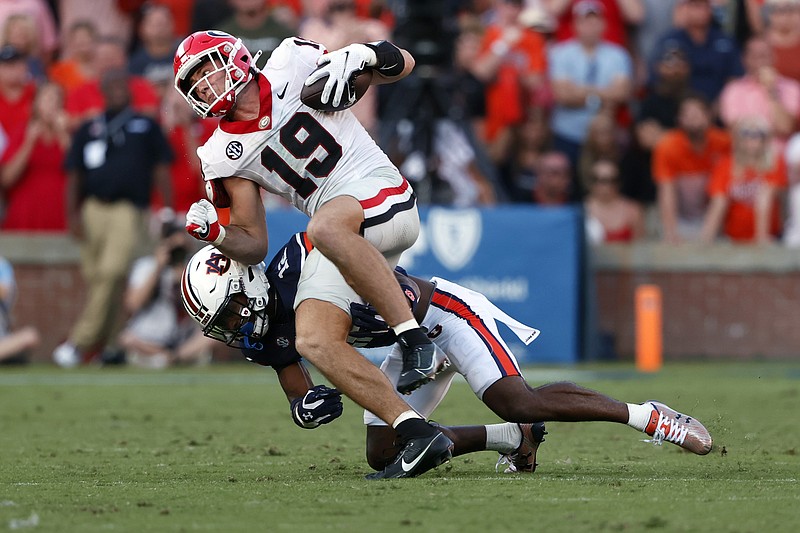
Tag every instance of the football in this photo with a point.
(311, 95)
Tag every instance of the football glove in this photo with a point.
(203, 224)
(320, 405)
(339, 66)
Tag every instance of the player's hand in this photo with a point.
(202, 222)
(339, 66)
(320, 405)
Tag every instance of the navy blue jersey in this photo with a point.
(277, 347)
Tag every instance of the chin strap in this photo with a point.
(246, 330)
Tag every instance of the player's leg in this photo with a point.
(514, 400)
(322, 324)
(357, 230)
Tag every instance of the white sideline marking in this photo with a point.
(19, 523)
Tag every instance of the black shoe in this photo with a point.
(417, 457)
(419, 366)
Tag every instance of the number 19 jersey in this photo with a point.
(291, 150)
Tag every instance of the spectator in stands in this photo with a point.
(783, 35)
(603, 142)
(531, 144)
(588, 75)
(762, 92)
(513, 65)
(713, 56)
(40, 13)
(553, 180)
(682, 162)
(338, 27)
(113, 163)
(20, 32)
(791, 234)
(619, 15)
(152, 59)
(610, 217)
(17, 92)
(13, 343)
(109, 19)
(253, 22)
(32, 173)
(159, 332)
(76, 65)
(86, 101)
(657, 114)
(657, 20)
(744, 187)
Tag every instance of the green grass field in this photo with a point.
(215, 450)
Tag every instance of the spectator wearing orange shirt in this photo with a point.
(76, 64)
(513, 63)
(744, 187)
(682, 162)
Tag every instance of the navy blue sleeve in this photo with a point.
(283, 273)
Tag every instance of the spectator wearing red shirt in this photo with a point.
(744, 187)
(86, 101)
(619, 14)
(32, 174)
(512, 62)
(16, 97)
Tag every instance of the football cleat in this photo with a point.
(421, 363)
(417, 457)
(523, 459)
(666, 424)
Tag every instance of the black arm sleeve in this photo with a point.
(390, 58)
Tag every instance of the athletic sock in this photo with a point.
(405, 326)
(503, 438)
(412, 337)
(414, 428)
(639, 415)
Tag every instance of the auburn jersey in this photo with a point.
(290, 149)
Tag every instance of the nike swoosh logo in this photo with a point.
(281, 94)
(387, 67)
(407, 467)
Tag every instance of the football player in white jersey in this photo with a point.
(363, 212)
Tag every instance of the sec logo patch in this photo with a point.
(234, 150)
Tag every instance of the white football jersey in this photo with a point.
(292, 150)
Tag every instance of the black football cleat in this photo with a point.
(417, 456)
(421, 362)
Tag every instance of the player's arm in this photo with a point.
(310, 405)
(245, 238)
(392, 63)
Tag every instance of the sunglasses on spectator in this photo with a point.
(752, 134)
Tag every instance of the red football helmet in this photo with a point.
(224, 53)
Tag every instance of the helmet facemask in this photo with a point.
(219, 58)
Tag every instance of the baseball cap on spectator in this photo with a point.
(585, 8)
(9, 53)
(537, 18)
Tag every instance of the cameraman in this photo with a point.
(159, 333)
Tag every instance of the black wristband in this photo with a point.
(390, 58)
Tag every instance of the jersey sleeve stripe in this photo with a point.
(454, 305)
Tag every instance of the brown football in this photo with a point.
(311, 95)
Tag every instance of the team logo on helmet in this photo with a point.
(217, 264)
(234, 150)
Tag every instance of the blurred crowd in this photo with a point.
(674, 120)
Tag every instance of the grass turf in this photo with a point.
(214, 450)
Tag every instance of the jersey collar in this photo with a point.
(264, 120)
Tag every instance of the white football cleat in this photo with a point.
(666, 424)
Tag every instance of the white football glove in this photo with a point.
(202, 223)
(339, 67)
